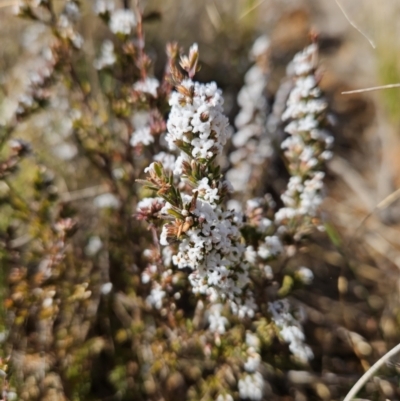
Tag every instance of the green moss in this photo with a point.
(389, 73)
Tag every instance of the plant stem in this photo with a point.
(370, 372)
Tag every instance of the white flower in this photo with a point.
(252, 363)
(142, 136)
(252, 340)
(251, 255)
(149, 85)
(94, 245)
(267, 270)
(145, 277)
(178, 169)
(305, 147)
(290, 329)
(206, 192)
(305, 275)
(118, 173)
(140, 119)
(156, 296)
(107, 56)
(106, 200)
(65, 151)
(66, 30)
(235, 205)
(163, 236)
(11, 396)
(251, 140)
(146, 203)
(122, 21)
(198, 117)
(166, 159)
(304, 62)
(72, 11)
(3, 336)
(260, 46)
(106, 288)
(103, 6)
(212, 248)
(47, 302)
(242, 136)
(148, 273)
(251, 386)
(215, 254)
(167, 254)
(217, 322)
(271, 247)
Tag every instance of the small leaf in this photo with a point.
(152, 16)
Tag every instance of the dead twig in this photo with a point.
(352, 23)
(370, 372)
(373, 88)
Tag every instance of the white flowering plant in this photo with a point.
(152, 250)
(223, 252)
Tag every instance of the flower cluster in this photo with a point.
(121, 20)
(306, 147)
(142, 130)
(163, 280)
(66, 21)
(290, 329)
(217, 322)
(147, 86)
(210, 239)
(196, 124)
(104, 7)
(146, 121)
(210, 245)
(305, 150)
(252, 142)
(37, 93)
(251, 385)
(260, 217)
(147, 125)
(107, 56)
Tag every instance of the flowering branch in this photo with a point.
(194, 191)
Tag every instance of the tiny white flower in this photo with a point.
(107, 56)
(94, 246)
(252, 363)
(251, 386)
(156, 296)
(106, 288)
(142, 136)
(47, 302)
(260, 46)
(166, 159)
(106, 200)
(305, 275)
(217, 322)
(149, 85)
(122, 21)
(65, 151)
(103, 6)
